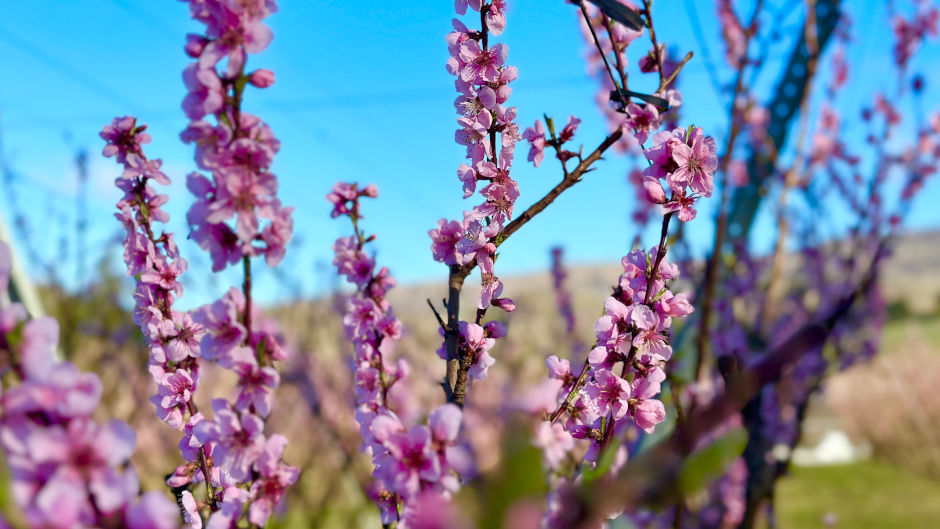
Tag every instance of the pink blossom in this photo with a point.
(647, 412)
(190, 510)
(468, 176)
(165, 273)
(684, 204)
(277, 234)
(648, 340)
(608, 394)
(351, 262)
(495, 17)
(481, 66)
(567, 133)
(256, 384)
(444, 241)
(205, 93)
(413, 460)
(221, 322)
(654, 190)
(642, 120)
(475, 136)
(676, 306)
(535, 135)
(123, 137)
(554, 441)
(237, 437)
(557, 368)
(137, 166)
(696, 164)
(444, 422)
(173, 394)
(276, 477)
(181, 337)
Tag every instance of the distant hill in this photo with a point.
(536, 326)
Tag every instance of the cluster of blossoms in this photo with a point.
(632, 333)
(173, 337)
(230, 452)
(538, 141)
(415, 467)
(910, 34)
(230, 449)
(733, 33)
(239, 148)
(489, 133)
(686, 159)
(67, 470)
(622, 376)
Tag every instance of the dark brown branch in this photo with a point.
(246, 287)
(458, 273)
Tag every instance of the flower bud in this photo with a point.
(505, 303)
(261, 78)
(654, 190)
(495, 329)
(195, 44)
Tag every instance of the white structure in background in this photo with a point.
(22, 288)
(835, 448)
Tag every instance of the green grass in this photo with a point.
(862, 495)
(898, 333)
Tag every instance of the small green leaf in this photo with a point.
(709, 463)
(522, 477)
(620, 13)
(604, 462)
(658, 102)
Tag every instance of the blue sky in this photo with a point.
(361, 94)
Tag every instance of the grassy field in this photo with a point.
(862, 495)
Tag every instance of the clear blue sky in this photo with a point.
(361, 94)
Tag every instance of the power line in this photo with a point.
(151, 21)
(64, 68)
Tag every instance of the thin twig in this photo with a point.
(600, 50)
(437, 315)
(672, 77)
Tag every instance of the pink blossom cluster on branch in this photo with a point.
(624, 371)
(231, 449)
(910, 34)
(230, 452)
(67, 470)
(733, 33)
(172, 336)
(686, 160)
(239, 148)
(489, 133)
(416, 468)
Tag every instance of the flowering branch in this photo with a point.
(414, 467)
(67, 470)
